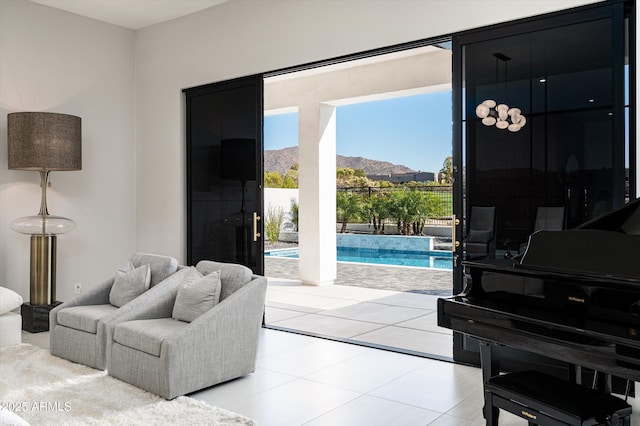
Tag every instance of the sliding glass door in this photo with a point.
(224, 172)
(564, 73)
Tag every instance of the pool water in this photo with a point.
(433, 259)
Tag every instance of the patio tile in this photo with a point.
(276, 281)
(376, 313)
(274, 314)
(428, 322)
(294, 308)
(328, 326)
(349, 310)
(306, 300)
(344, 292)
(410, 300)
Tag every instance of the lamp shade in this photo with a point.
(44, 141)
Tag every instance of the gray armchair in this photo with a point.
(480, 239)
(547, 219)
(81, 327)
(170, 358)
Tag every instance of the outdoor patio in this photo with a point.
(386, 306)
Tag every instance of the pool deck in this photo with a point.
(383, 306)
(396, 278)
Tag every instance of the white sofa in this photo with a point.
(10, 321)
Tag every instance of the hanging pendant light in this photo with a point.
(500, 115)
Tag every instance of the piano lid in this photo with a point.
(608, 245)
(626, 219)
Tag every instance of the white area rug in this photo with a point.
(47, 390)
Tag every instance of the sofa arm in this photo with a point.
(98, 295)
(223, 340)
(157, 302)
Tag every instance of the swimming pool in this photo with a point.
(433, 259)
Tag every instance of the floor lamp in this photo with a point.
(43, 142)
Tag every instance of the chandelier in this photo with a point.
(500, 115)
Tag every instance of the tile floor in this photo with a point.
(302, 380)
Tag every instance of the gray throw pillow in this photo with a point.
(129, 283)
(196, 295)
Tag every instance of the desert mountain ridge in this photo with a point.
(281, 160)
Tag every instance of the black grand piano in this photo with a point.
(573, 296)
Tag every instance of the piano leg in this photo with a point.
(490, 362)
(575, 374)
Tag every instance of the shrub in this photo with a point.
(410, 208)
(294, 213)
(273, 222)
(349, 207)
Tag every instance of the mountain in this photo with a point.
(281, 160)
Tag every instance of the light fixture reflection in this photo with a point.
(500, 115)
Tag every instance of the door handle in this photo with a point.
(454, 240)
(256, 234)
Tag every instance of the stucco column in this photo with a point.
(317, 193)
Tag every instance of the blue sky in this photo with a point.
(414, 131)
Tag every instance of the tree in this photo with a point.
(446, 172)
(348, 206)
(273, 180)
(350, 178)
(288, 182)
(291, 177)
(410, 208)
(276, 180)
(376, 208)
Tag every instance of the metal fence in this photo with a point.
(442, 197)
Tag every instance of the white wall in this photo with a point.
(59, 62)
(280, 198)
(244, 37)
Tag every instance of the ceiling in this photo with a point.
(132, 14)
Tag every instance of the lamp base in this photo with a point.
(35, 318)
(43, 270)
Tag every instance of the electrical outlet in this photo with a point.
(77, 288)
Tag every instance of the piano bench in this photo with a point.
(549, 401)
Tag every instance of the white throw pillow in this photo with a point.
(196, 295)
(9, 300)
(129, 283)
